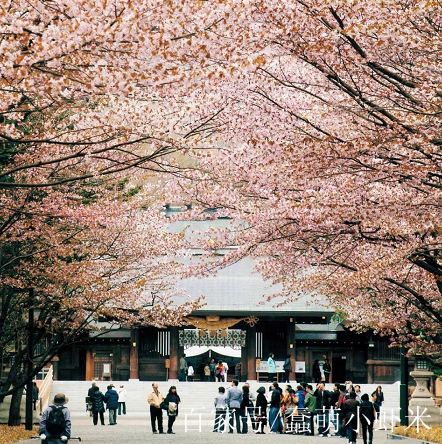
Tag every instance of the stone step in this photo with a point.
(203, 393)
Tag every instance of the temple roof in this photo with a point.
(240, 290)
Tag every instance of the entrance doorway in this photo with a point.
(339, 368)
(103, 366)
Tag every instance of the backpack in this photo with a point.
(56, 422)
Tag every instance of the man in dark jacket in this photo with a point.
(367, 416)
(111, 400)
(323, 399)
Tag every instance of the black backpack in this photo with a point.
(56, 422)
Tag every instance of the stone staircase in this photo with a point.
(196, 397)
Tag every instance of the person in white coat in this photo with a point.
(122, 395)
(226, 370)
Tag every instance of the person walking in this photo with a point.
(155, 399)
(111, 400)
(55, 423)
(220, 410)
(350, 409)
(367, 416)
(274, 411)
(272, 368)
(97, 401)
(286, 367)
(122, 395)
(378, 399)
(234, 399)
(171, 403)
(183, 368)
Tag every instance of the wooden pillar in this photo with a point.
(291, 346)
(250, 354)
(89, 366)
(174, 353)
(133, 359)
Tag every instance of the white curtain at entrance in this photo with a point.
(225, 351)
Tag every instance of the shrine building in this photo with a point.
(236, 325)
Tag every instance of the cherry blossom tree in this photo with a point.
(329, 149)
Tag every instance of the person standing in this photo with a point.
(111, 400)
(97, 402)
(89, 399)
(286, 367)
(207, 372)
(155, 399)
(183, 368)
(226, 370)
(212, 370)
(261, 410)
(310, 406)
(190, 371)
(220, 410)
(358, 392)
(234, 399)
(274, 412)
(245, 407)
(350, 409)
(323, 398)
(35, 392)
(378, 399)
(238, 371)
(220, 372)
(316, 371)
(367, 416)
(55, 423)
(272, 368)
(171, 402)
(122, 395)
(327, 370)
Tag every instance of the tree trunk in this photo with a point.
(14, 409)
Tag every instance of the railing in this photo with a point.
(45, 390)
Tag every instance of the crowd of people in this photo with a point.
(294, 410)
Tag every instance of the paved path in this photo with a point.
(137, 430)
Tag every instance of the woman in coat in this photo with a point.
(378, 399)
(97, 401)
(350, 409)
(245, 407)
(261, 410)
(172, 400)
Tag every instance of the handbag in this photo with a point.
(172, 408)
(374, 398)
